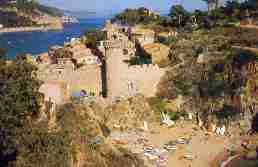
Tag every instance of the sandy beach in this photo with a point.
(203, 147)
(206, 149)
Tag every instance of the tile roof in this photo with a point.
(154, 47)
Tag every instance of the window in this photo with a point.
(125, 52)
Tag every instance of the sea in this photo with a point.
(37, 42)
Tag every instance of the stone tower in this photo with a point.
(112, 58)
(117, 49)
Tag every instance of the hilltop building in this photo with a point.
(143, 36)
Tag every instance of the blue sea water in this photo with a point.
(38, 42)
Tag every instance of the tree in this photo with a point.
(179, 14)
(136, 16)
(20, 103)
(255, 123)
(253, 3)
(92, 37)
(233, 8)
(2, 56)
(26, 5)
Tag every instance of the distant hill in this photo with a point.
(50, 10)
(27, 13)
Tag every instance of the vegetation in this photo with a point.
(92, 36)
(22, 12)
(216, 95)
(50, 10)
(178, 17)
(30, 7)
(255, 123)
(217, 81)
(160, 105)
(136, 16)
(20, 103)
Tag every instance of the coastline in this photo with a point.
(28, 42)
(30, 29)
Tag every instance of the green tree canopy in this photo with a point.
(179, 15)
(92, 37)
(136, 16)
(20, 102)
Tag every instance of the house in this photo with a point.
(149, 12)
(63, 56)
(86, 59)
(83, 55)
(143, 36)
(51, 53)
(43, 58)
(157, 52)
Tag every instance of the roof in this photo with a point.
(154, 47)
(44, 56)
(80, 51)
(63, 53)
(143, 31)
(164, 34)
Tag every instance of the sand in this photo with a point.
(205, 148)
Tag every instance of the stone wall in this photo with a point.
(86, 78)
(144, 79)
(125, 81)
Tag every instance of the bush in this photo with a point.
(39, 147)
(174, 115)
(255, 123)
(158, 104)
(170, 41)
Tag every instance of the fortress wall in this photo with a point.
(145, 78)
(87, 77)
(145, 68)
(124, 80)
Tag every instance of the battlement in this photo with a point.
(109, 44)
(145, 68)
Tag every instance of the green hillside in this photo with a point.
(24, 12)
